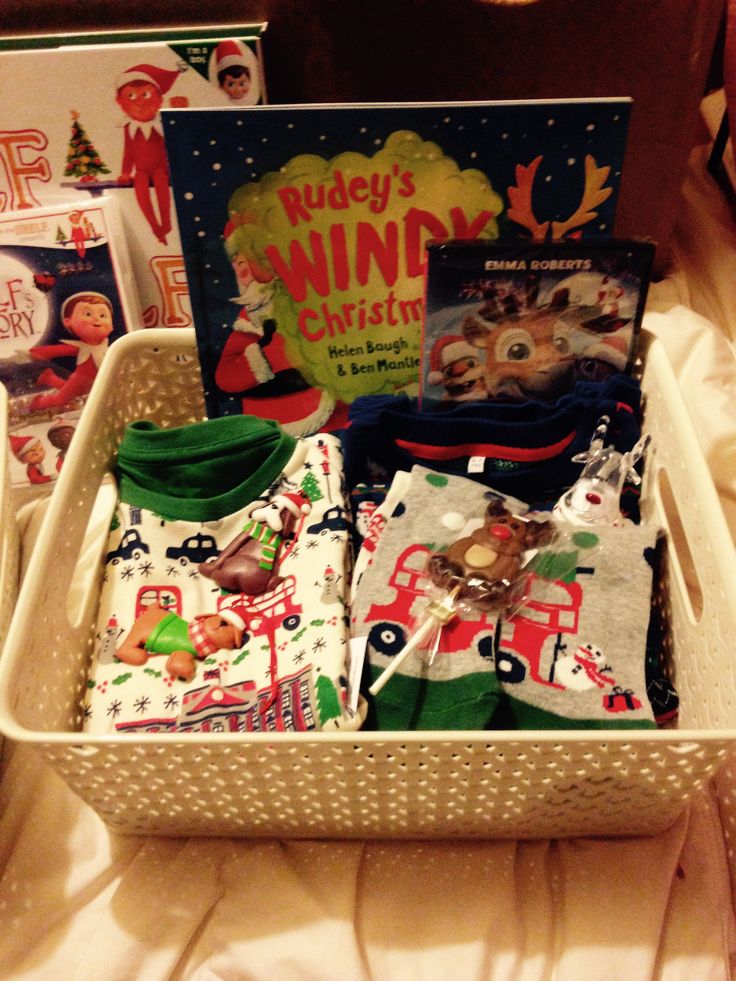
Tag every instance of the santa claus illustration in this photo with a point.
(254, 362)
(456, 366)
(609, 294)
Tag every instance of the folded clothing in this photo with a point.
(521, 449)
(458, 690)
(559, 661)
(223, 605)
(368, 523)
(573, 656)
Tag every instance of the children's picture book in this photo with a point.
(80, 117)
(527, 321)
(66, 293)
(304, 230)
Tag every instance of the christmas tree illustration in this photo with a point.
(82, 160)
(310, 486)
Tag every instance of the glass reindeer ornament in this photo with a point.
(595, 497)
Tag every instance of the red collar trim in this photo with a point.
(519, 454)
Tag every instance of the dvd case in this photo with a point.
(511, 322)
(67, 292)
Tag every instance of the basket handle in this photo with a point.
(679, 486)
(83, 593)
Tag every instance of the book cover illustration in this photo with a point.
(526, 322)
(66, 293)
(80, 117)
(304, 229)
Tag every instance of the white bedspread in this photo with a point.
(79, 902)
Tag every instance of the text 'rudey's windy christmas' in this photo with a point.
(341, 243)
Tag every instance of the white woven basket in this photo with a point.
(9, 540)
(404, 784)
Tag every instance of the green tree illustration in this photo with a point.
(328, 704)
(82, 160)
(310, 486)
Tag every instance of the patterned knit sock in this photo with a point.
(374, 524)
(458, 689)
(661, 693)
(573, 657)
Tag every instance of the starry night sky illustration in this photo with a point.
(213, 152)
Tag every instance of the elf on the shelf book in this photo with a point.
(66, 293)
(304, 228)
(80, 116)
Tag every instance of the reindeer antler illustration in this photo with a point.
(522, 212)
(594, 194)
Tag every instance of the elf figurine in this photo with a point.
(140, 94)
(88, 318)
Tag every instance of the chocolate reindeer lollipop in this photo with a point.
(486, 564)
(483, 569)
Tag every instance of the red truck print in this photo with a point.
(519, 644)
(265, 615)
(168, 597)
(550, 610)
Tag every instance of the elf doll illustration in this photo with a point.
(29, 451)
(140, 94)
(233, 73)
(233, 69)
(59, 434)
(254, 361)
(78, 233)
(88, 318)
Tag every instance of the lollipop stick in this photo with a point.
(437, 615)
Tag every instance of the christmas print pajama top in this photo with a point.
(184, 494)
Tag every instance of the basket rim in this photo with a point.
(684, 739)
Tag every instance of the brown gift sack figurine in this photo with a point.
(247, 564)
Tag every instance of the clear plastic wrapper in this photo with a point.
(486, 570)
